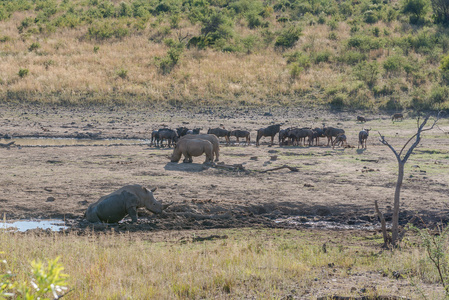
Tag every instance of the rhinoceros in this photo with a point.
(192, 147)
(208, 137)
(125, 201)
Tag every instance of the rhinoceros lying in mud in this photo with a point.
(125, 201)
(208, 137)
(192, 147)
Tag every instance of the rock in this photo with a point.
(50, 199)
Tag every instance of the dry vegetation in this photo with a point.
(243, 264)
(67, 63)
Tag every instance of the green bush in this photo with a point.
(106, 30)
(288, 37)
(167, 63)
(439, 94)
(47, 282)
(338, 100)
(122, 73)
(34, 46)
(23, 72)
(351, 57)
(300, 58)
(370, 17)
(367, 72)
(323, 56)
(393, 64)
(295, 70)
(417, 9)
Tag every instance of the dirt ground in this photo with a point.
(333, 187)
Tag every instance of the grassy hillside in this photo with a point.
(357, 54)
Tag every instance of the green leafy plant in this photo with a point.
(288, 37)
(23, 72)
(122, 73)
(437, 248)
(34, 46)
(46, 282)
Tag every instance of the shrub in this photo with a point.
(295, 70)
(288, 37)
(441, 11)
(367, 72)
(352, 57)
(167, 63)
(122, 73)
(323, 56)
(393, 64)
(23, 72)
(254, 20)
(338, 101)
(106, 30)
(439, 94)
(47, 282)
(370, 17)
(417, 9)
(300, 58)
(444, 68)
(34, 46)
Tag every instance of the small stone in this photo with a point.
(50, 199)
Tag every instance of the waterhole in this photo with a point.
(24, 225)
(58, 142)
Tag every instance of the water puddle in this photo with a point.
(296, 221)
(24, 225)
(57, 142)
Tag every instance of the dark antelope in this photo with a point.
(363, 136)
(270, 131)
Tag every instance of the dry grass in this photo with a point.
(263, 264)
(66, 69)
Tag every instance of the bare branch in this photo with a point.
(418, 135)
(383, 141)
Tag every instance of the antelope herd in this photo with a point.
(289, 136)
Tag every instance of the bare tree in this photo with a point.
(401, 163)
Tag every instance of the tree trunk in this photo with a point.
(397, 198)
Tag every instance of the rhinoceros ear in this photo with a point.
(152, 190)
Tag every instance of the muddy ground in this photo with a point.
(332, 185)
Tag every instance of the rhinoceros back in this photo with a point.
(115, 207)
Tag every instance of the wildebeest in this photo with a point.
(154, 138)
(283, 135)
(194, 131)
(125, 201)
(298, 134)
(220, 132)
(241, 134)
(397, 116)
(331, 132)
(208, 137)
(363, 136)
(270, 131)
(182, 131)
(317, 133)
(167, 134)
(192, 147)
(339, 140)
(361, 119)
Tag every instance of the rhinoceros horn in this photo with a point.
(164, 206)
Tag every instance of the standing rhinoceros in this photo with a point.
(125, 201)
(192, 147)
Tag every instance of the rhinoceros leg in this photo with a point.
(132, 212)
